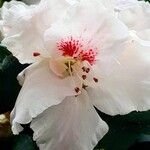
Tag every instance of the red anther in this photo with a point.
(77, 89)
(35, 54)
(84, 77)
(84, 86)
(95, 79)
(87, 70)
(84, 69)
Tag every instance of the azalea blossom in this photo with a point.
(81, 60)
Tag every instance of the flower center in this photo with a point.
(77, 60)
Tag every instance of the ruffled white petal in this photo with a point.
(124, 4)
(41, 89)
(136, 17)
(72, 125)
(135, 14)
(144, 34)
(23, 26)
(127, 88)
(118, 5)
(136, 37)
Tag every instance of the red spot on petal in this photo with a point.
(35, 54)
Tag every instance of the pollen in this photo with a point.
(77, 89)
(36, 54)
(84, 77)
(95, 80)
(84, 69)
(87, 70)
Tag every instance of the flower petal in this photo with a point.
(127, 88)
(72, 125)
(57, 67)
(144, 35)
(131, 16)
(120, 4)
(23, 26)
(41, 89)
(135, 14)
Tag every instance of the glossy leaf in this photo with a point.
(9, 86)
(124, 130)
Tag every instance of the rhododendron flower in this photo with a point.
(85, 59)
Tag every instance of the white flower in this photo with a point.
(86, 59)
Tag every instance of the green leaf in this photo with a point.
(9, 86)
(143, 138)
(3, 53)
(2, 1)
(147, 1)
(23, 141)
(18, 142)
(124, 130)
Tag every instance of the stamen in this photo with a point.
(79, 77)
(87, 70)
(84, 86)
(95, 79)
(84, 69)
(84, 77)
(70, 68)
(36, 54)
(77, 89)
